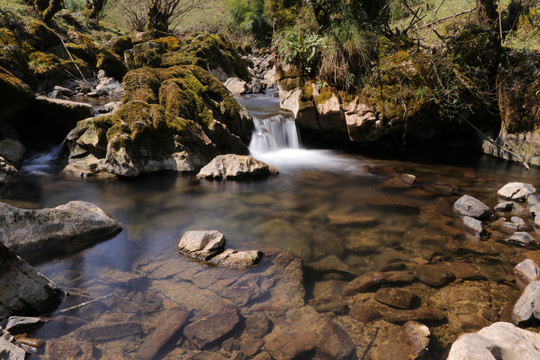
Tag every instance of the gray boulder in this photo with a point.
(516, 191)
(202, 244)
(66, 227)
(9, 351)
(504, 206)
(23, 290)
(469, 206)
(12, 151)
(500, 341)
(236, 167)
(473, 226)
(528, 304)
(526, 272)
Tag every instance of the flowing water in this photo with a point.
(323, 203)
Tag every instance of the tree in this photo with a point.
(94, 8)
(486, 11)
(47, 8)
(163, 13)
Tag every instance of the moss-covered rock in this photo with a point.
(171, 43)
(41, 37)
(148, 54)
(119, 44)
(192, 93)
(14, 95)
(212, 52)
(111, 63)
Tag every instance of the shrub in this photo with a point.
(252, 18)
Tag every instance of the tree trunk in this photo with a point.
(486, 11)
(94, 8)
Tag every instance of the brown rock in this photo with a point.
(80, 350)
(373, 280)
(330, 305)
(400, 181)
(97, 332)
(433, 275)
(421, 314)
(396, 297)
(364, 313)
(171, 321)
(250, 345)
(407, 342)
(257, 324)
(209, 329)
(291, 338)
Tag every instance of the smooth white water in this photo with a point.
(276, 142)
(44, 162)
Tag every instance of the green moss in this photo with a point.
(170, 42)
(120, 44)
(178, 58)
(288, 84)
(14, 94)
(325, 94)
(82, 53)
(148, 54)
(41, 36)
(7, 37)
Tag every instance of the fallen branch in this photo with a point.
(444, 18)
(372, 341)
(71, 57)
(85, 303)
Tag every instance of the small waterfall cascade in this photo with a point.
(45, 162)
(273, 134)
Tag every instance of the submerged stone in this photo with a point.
(211, 328)
(397, 298)
(373, 280)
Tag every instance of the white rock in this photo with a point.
(527, 271)
(202, 244)
(9, 351)
(504, 206)
(520, 238)
(524, 307)
(473, 225)
(516, 191)
(237, 259)
(236, 86)
(469, 206)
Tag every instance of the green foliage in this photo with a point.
(252, 18)
(74, 5)
(302, 50)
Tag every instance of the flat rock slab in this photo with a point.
(236, 167)
(397, 298)
(23, 290)
(499, 341)
(469, 206)
(373, 280)
(171, 322)
(211, 328)
(97, 332)
(64, 228)
(422, 314)
(202, 244)
(516, 191)
(80, 350)
(303, 331)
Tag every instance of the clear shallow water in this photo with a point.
(323, 203)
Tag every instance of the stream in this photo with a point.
(324, 205)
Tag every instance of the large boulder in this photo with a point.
(175, 119)
(516, 191)
(64, 228)
(24, 291)
(14, 95)
(236, 167)
(470, 206)
(501, 341)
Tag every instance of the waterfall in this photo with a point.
(46, 162)
(273, 134)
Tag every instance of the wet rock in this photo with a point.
(250, 345)
(66, 349)
(328, 288)
(66, 324)
(373, 280)
(98, 332)
(211, 328)
(516, 191)
(433, 275)
(528, 304)
(520, 238)
(236, 86)
(472, 225)
(9, 351)
(535, 210)
(202, 244)
(20, 324)
(64, 228)
(501, 340)
(512, 226)
(24, 291)
(401, 181)
(257, 324)
(417, 335)
(469, 206)
(12, 151)
(364, 313)
(517, 220)
(504, 206)
(422, 314)
(329, 263)
(237, 259)
(290, 340)
(352, 219)
(329, 305)
(397, 298)
(526, 272)
(400, 342)
(171, 321)
(236, 167)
